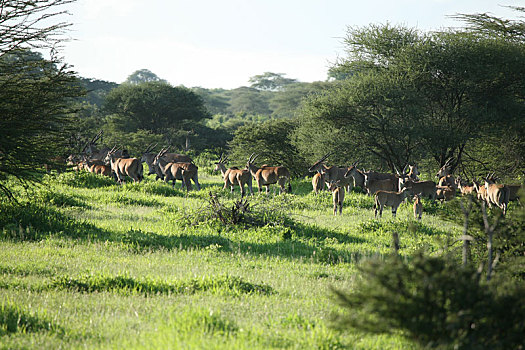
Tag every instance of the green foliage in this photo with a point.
(97, 90)
(435, 302)
(269, 81)
(143, 76)
(35, 100)
(153, 106)
(409, 96)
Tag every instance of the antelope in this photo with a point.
(338, 195)
(413, 172)
(389, 199)
(445, 176)
(94, 153)
(148, 157)
(234, 176)
(445, 193)
(418, 207)
(318, 182)
(174, 171)
(267, 175)
(97, 167)
(463, 188)
(424, 188)
(374, 185)
(481, 191)
(332, 173)
(131, 167)
(357, 175)
(497, 194)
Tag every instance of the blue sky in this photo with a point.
(222, 43)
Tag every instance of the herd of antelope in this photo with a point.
(388, 189)
(392, 189)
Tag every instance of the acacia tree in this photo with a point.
(153, 106)
(408, 93)
(35, 94)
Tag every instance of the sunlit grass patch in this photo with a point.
(228, 285)
(81, 179)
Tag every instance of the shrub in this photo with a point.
(436, 303)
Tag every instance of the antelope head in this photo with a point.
(446, 169)
(221, 162)
(319, 164)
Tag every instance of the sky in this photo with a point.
(222, 43)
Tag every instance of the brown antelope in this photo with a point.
(424, 188)
(332, 173)
(481, 191)
(445, 193)
(445, 176)
(173, 171)
(497, 194)
(418, 207)
(131, 167)
(97, 167)
(148, 157)
(389, 199)
(357, 175)
(267, 175)
(463, 187)
(374, 185)
(338, 195)
(318, 183)
(234, 176)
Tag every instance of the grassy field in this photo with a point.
(89, 264)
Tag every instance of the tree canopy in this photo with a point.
(36, 94)
(153, 106)
(143, 76)
(408, 95)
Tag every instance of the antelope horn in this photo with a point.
(405, 168)
(96, 137)
(255, 157)
(251, 158)
(397, 171)
(150, 147)
(356, 162)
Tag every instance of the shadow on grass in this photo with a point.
(34, 221)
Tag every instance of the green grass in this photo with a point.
(85, 263)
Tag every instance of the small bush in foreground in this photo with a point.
(436, 303)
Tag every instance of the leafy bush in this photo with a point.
(436, 303)
(257, 211)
